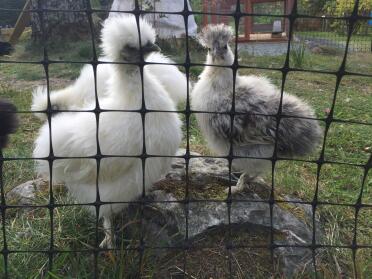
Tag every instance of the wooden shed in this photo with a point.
(252, 28)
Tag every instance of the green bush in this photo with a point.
(298, 55)
(342, 8)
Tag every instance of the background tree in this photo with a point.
(60, 25)
(8, 17)
(345, 8)
(312, 7)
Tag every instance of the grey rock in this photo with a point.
(248, 207)
(164, 214)
(26, 193)
(201, 170)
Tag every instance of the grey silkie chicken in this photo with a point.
(257, 102)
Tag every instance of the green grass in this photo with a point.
(75, 229)
(298, 55)
(79, 51)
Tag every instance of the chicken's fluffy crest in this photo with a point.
(123, 30)
(81, 93)
(215, 33)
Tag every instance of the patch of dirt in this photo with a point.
(209, 255)
(20, 84)
(213, 190)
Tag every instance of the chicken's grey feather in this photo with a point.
(255, 129)
(215, 34)
(256, 123)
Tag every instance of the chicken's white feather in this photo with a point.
(119, 133)
(82, 92)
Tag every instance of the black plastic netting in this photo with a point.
(185, 245)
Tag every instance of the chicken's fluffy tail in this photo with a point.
(300, 133)
(60, 100)
(173, 80)
(40, 101)
(8, 121)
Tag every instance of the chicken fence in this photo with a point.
(185, 245)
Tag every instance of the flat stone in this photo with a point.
(167, 214)
(201, 170)
(26, 193)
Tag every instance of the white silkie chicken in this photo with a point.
(119, 133)
(82, 92)
(257, 101)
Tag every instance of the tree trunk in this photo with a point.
(59, 25)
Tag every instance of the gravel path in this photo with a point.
(262, 49)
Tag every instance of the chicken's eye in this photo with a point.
(225, 47)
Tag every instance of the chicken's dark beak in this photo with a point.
(150, 48)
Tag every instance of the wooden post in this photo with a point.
(205, 10)
(22, 21)
(288, 9)
(214, 10)
(249, 19)
(225, 8)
